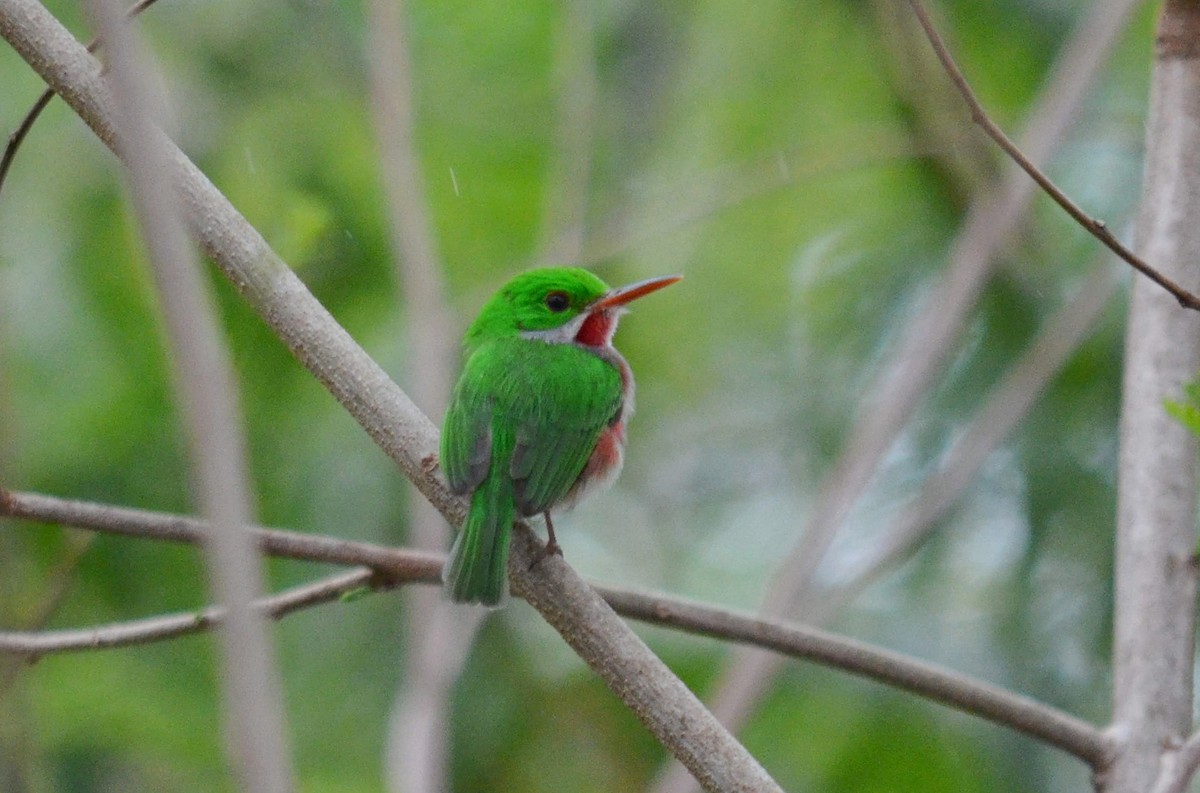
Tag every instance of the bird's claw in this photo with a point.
(549, 549)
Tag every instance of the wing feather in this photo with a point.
(555, 398)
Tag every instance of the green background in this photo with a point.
(779, 155)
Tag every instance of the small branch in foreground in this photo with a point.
(35, 644)
(398, 566)
(1094, 226)
(404, 565)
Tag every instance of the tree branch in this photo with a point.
(1094, 226)
(435, 632)
(253, 710)
(398, 566)
(1154, 619)
(35, 644)
(959, 691)
(639, 678)
(401, 564)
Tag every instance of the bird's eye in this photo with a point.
(557, 302)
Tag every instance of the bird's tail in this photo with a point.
(477, 570)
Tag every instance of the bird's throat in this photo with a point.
(597, 330)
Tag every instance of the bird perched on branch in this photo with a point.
(538, 416)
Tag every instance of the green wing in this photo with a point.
(578, 396)
(466, 446)
(556, 399)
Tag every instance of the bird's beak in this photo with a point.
(621, 296)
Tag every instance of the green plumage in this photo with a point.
(524, 418)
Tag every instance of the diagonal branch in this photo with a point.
(1094, 226)
(933, 682)
(1009, 402)
(393, 566)
(639, 678)
(918, 356)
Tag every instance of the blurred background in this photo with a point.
(806, 165)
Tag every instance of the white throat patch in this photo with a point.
(563, 334)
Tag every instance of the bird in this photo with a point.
(537, 418)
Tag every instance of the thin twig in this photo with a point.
(1094, 226)
(402, 564)
(22, 131)
(397, 566)
(35, 644)
(59, 581)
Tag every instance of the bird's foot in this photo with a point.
(551, 548)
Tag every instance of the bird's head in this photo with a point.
(558, 305)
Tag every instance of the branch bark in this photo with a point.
(1154, 630)
(658, 698)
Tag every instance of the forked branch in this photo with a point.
(22, 131)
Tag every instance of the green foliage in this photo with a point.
(1187, 411)
(769, 151)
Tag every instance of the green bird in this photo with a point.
(538, 416)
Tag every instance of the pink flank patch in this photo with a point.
(603, 466)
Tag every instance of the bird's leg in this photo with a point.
(552, 547)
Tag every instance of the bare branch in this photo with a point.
(204, 380)
(436, 632)
(398, 566)
(639, 678)
(35, 644)
(58, 584)
(1008, 403)
(1094, 226)
(401, 564)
